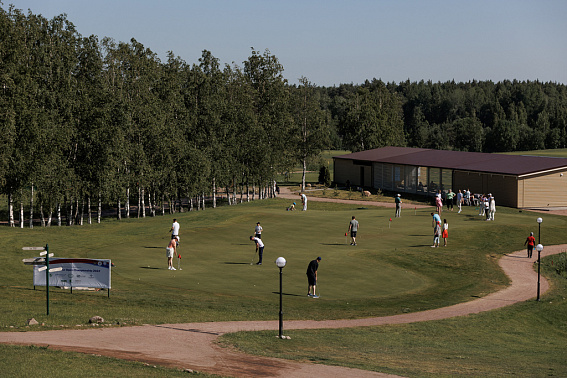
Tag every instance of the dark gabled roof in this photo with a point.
(516, 165)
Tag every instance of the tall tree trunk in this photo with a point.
(31, 207)
(191, 204)
(82, 210)
(99, 208)
(59, 220)
(162, 204)
(203, 200)
(303, 175)
(143, 201)
(11, 209)
(127, 203)
(139, 201)
(118, 210)
(76, 215)
(247, 191)
(41, 215)
(214, 194)
(50, 216)
(228, 196)
(21, 214)
(90, 219)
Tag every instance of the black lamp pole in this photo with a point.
(281, 310)
(540, 247)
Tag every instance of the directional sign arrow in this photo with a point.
(33, 248)
(34, 261)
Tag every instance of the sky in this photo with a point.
(331, 42)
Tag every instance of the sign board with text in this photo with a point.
(75, 273)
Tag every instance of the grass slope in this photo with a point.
(393, 270)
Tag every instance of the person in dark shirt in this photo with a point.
(312, 277)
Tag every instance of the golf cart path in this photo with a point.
(285, 192)
(193, 345)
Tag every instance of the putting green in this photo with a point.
(216, 254)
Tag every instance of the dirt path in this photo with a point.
(285, 192)
(193, 345)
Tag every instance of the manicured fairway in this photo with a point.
(392, 270)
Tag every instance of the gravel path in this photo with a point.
(193, 345)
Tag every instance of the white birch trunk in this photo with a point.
(203, 200)
(99, 208)
(214, 194)
(11, 210)
(247, 192)
(139, 201)
(90, 219)
(21, 214)
(118, 210)
(191, 204)
(59, 214)
(303, 175)
(143, 201)
(41, 215)
(127, 204)
(31, 207)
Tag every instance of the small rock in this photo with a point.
(190, 371)
(32, 321)
(96, 319)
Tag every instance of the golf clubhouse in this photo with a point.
(514, 180)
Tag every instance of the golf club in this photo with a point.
(253, 257)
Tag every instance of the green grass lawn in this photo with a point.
(392, 270)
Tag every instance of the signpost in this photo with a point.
(38, 261)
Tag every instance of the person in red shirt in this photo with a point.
(530, 241)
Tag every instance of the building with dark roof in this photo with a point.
(514, 180)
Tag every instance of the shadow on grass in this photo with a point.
(287, 294)
(154, 247)
(334, 243)
(148, 267)
(235, 263)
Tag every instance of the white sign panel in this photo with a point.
(75, 273)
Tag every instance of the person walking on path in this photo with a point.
(436, 234)
(258, 231)
(530, 241)
(445, 233)
(398, 206)
(259, 248)
(303, 201)
(174, 229)
(312, 277)
(170, 252)
(352, 229)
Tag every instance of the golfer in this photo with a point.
(258, 231)
(530, 241)
(170, 252)
(259, 248)
(353, 228)
(398, 206)
(312, 277)
(303, 201)
(174, 229)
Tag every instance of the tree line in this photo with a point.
(93, 123)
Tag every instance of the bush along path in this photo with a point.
(193, 345)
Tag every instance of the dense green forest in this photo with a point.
(86, 120)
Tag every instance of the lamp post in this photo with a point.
(539, 248)
(280, 262)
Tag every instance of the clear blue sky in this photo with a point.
(332, 42)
